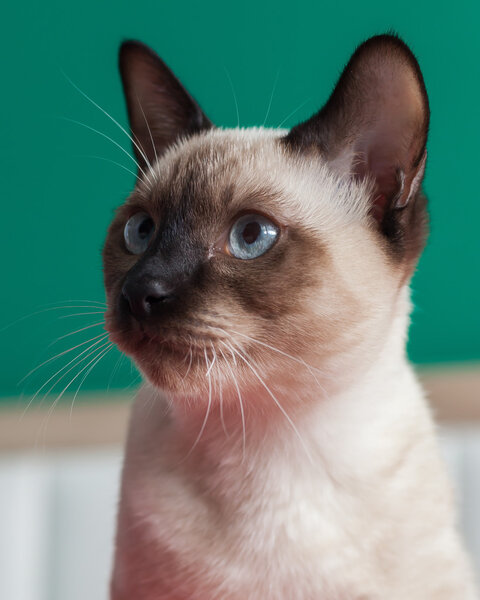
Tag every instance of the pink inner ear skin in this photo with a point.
(378, 207)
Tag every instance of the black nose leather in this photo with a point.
(146, 297)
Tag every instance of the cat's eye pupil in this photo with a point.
(251, 232)
(145, 228)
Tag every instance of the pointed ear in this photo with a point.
(375, 124)
(159, 108)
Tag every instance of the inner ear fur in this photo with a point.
(160, 109)
(375, 125)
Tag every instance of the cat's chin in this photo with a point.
(172, 366)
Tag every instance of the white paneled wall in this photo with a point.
(57, 514)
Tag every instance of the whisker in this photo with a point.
(271, 98)
(114, 370)
(85, 376)
(66, 372)
(293, 112)
(220, 393)
(149, 130)
(98, 303)
(58, 356)
(211, 365)
(242, 412)
(282, 410)
(104, 135)
(300, 361)
(62, 337)
(294, 358)
(39, 312)
(204, 424)
(95, 312)
(110, 117)
(113, 162)
(234, 95)
(97, 352)
(310, 370)
(189, 365)
(57, 399)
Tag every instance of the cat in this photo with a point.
(281, 447)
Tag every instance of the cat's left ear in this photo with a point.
(159, 108)
(375, 124)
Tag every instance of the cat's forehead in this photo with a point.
(216, 169)
(221, 172)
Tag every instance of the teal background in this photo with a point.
(57, 200)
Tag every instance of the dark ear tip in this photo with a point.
(391, 44)
(390, 41)
(390, 38)
(130, 48)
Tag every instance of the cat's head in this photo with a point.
(253, 255)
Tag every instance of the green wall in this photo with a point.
(57, 200)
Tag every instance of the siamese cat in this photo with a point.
(281, 447)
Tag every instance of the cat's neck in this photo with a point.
(300, 425)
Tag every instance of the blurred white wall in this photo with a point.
(57, 515)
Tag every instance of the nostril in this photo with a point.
(159, 299)
(143, 297)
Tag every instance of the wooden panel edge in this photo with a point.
(94, 420)
(453, 392)
(101, 419)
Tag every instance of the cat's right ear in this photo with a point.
(375, 125)
(160, 109)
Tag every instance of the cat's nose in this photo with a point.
(147, 296)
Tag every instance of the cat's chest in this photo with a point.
(286, 520)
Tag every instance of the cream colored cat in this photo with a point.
(281, 447)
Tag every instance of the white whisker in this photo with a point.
(113, 162)
(66, 372)
(57, 399)
(204, 424)
(107, 138)
(114, 370)
(271, 98)
(234, 95)
(189, 365)
(39, 312)
(220, 393)
(94, 303)
(282, 410)
(293, 112)
(106, 351)
(80, 314)
(102, 335)
(211, 365)
(149, 131)
(62, 337)
(242, 412)
(142, 153)
(295, 359)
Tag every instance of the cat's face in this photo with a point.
(253, 255)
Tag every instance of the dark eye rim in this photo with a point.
(282, 231)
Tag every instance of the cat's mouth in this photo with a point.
(176, 346)
(168, 353)
(164, 341)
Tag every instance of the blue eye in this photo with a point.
(251, 236)
(138, 232)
